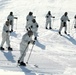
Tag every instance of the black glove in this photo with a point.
(27, 29)
(7, 19)
(27, 19)
(35, 38)
(29, 42)
(33, 42)
(69, 20)
(62, 20)
(53, 17)
(16, 18)
(47, 16)
(31, 26)
(37, 26)
(34, 16)
(7, 31)
(74, 26)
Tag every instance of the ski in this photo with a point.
(68, 34)
(31, 65)
(65, 34)
(8, 64)
(60, 34)
(34, 66)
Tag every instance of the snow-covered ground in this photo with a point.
(54, 54)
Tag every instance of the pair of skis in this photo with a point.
(28, 56)
(66, 34)
(31, 65)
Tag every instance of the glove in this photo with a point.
(33, 42)
(34, 16)
(29, 42)
(27, 19)
(37, 26)
(16, 18)
(74, 26)
(7, 31)
(35, 38)
(7, 19)
(47, 16)
(27, 29)
(62, 20)
(31, 26)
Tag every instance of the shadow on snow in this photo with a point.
(39, 44)
(27, 71)
(9, 56)
(71, 39)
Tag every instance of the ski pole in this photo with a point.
(69, 28)
(52, 24)
(16, 24)
(30, 54)
(23, 52)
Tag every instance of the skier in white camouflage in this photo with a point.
(34, 28)
(11, 18)
(64, 20)
(26, 40)
(6, 36)
(48, 20)
(29, 19)
(75, 21)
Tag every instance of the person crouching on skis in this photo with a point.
(6, 36)
(26, 40)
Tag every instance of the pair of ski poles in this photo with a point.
(70, 29)
(29, 54)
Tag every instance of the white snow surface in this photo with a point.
(54, 54)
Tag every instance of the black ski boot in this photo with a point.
(60, 33)
(1, 48)
(65, 32)
(50, 28)
(18, 61)
(22, 64)
(10, 49)
(46, 28)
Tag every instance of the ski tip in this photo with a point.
(36, 66)
(60, 34)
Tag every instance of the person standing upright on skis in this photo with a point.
(75, 21)
(34, 28)
(48, 20)
(11, 18)
(6, 36)
(64, 20)
(29, 19)
(26, 40)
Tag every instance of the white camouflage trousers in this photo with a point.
(5, 38)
